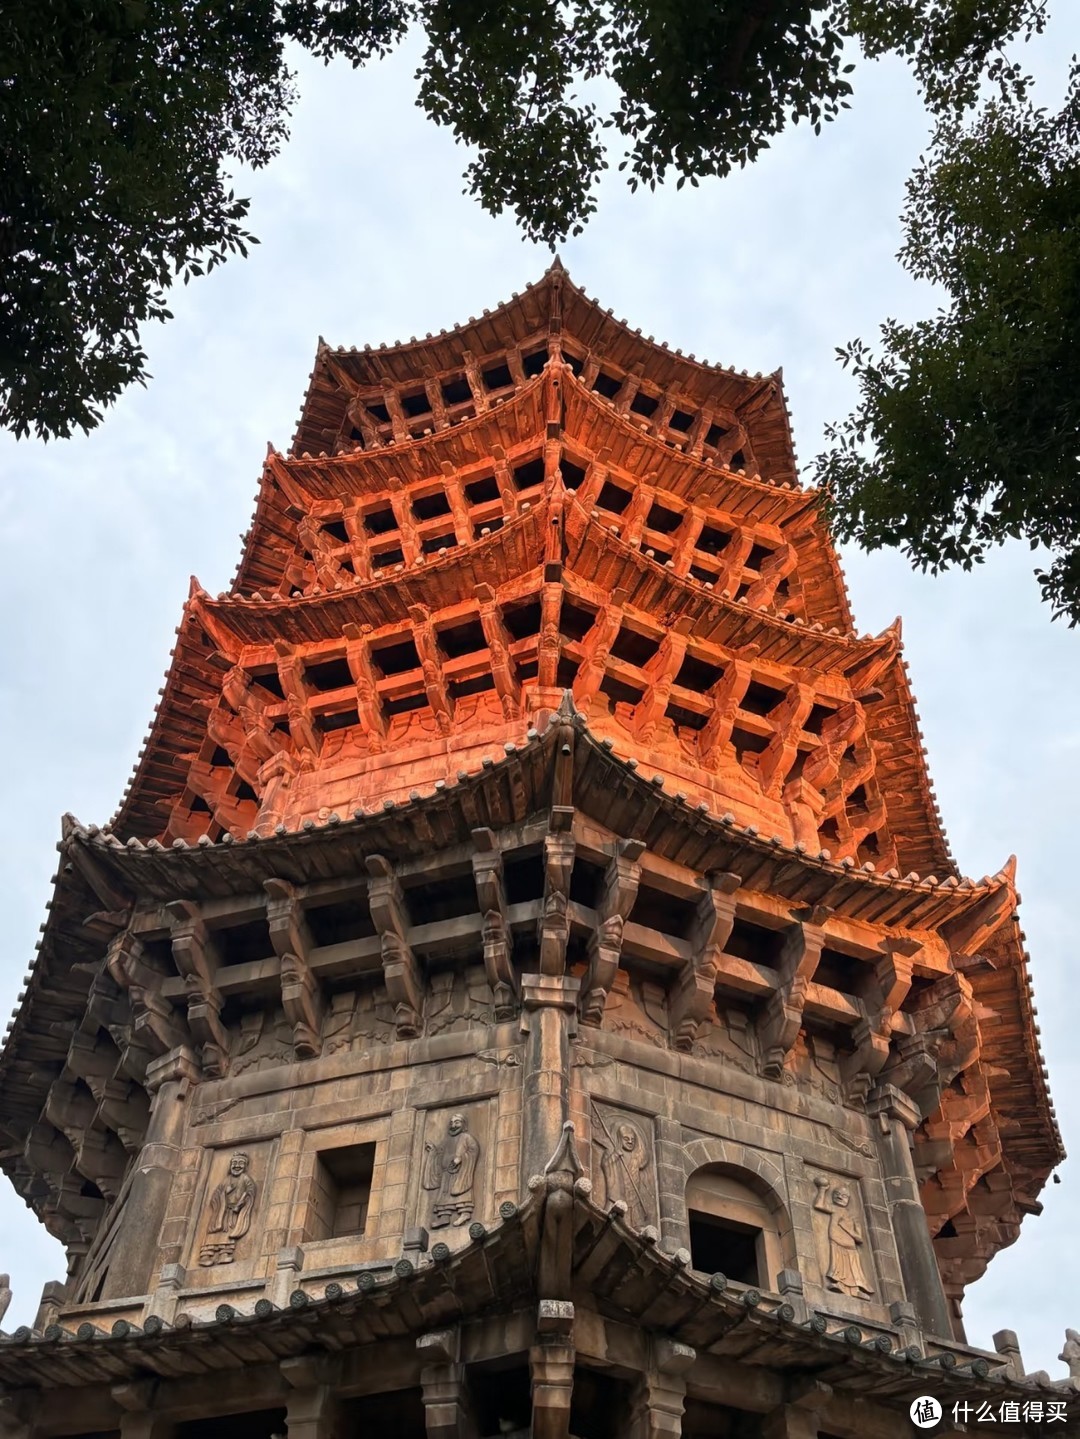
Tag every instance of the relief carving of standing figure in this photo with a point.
(846, 1274)
(231, 1204)
(450, 1171)
(623, 1164)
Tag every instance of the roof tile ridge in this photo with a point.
(899, 668)
(321, 350)
(660, 347)
(165, 698)
(753, 482)
(389, 576)
(725, 601)
(250, 535)
(499, 403)
(847, 868)
(385, 347)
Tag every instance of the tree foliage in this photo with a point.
(121, 121)
(967, 428)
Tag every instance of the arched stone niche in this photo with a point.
(735, 1219)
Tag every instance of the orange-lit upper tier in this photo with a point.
(404, 606)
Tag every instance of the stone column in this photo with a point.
(551, 1365)
(897, 1117)
(312, 1408)
(671, 1186)
(139, 1420)
(135, 1249)
(790, 1422)
(661, 1396)
(549, 1021)
(447, 1411)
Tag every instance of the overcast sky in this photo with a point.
(366, 237)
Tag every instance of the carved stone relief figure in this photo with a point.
(813, 1063)
(1070, 1355)
(450, 1174)
(457, 1000)
(729, 1036)
(265, 1040)
(625, 1168)
(231, 1204)
(845, 1273)
(635, 1009)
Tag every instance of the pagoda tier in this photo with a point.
(420, 602)
(904, 974)
(535, 709)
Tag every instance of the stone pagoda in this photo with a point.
(526, 989)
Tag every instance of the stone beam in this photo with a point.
(551, 1365)
(301, 995)
(554, 927)
(621, 880)
(781, 1017)
(694, 992)
(197, 960)
(401, 971)
(447, 1411)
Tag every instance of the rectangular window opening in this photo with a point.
(380, 522)
(607, 385)
(685, 719)
(416, 404)
(643, 404)
(613, 498)
(342, 1191)
(244, 943)
(478, 686)
(522, 620)
(482, 491)
(388, 558)
(760, 699)
(344, 719)
(655, 909)
(429, 507)
(268, 679)
(722, 1246)
(712, 540)
(663, 519)
(456, 391)
(529, 474)
(463, 639)
(697, 675)
(337, 923)
(572, 475)
(575, 621)
(498, 377)
(328, 675)
(634, 648)
(396, 659)
(404, 706)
